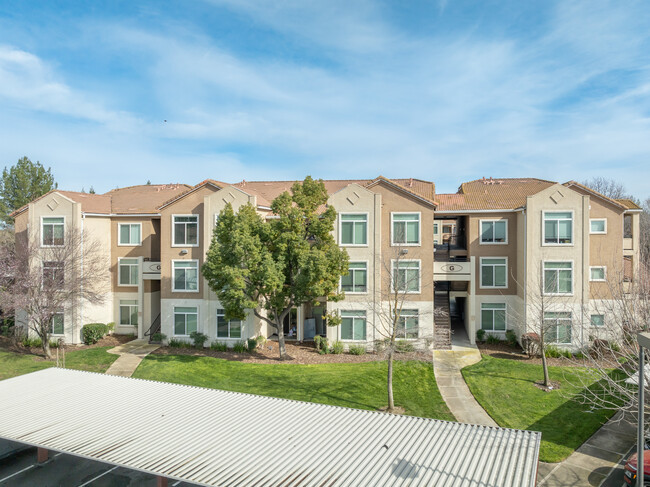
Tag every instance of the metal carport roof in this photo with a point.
(218, 438)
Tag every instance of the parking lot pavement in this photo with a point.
(22, 469)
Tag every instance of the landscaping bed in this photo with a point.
(503, 350)
(297, 353)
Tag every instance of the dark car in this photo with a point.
(630, 469)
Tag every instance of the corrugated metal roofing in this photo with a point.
(212, 437)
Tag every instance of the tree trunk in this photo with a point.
(391, 403)
(281, 347)
(547, 381)
(46, 347)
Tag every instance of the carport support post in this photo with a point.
(161, 481)
(42, 455)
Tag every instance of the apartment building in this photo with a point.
(477, 255)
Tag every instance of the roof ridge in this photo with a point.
(147, 186)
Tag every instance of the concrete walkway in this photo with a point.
(130, 356)
(454, 391)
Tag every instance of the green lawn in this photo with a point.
(359, 385)
(91, 359)
(505, 388)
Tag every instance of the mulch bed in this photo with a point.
(297, 353)
(107, 341)
(503, 350)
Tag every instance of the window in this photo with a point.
(493, 316)
(446, 229)
(356, 280)
(353, 325)
(186, 230)
(130, 233)
(558, 277)
(557, 327)
(354, 229)
(597, 273)
(227, 328)
(185, 319)
(558, 227)
(57, 324)
(408, 324)
(406, 276)
(406, 228)
(53, 275)
(435, 228)
(494, 272)
(494, 231)
(52, 231)
(597, 320)
(128, 272)
(186, 275)
(129, 312)
(598, 225)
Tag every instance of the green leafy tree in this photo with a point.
(271, 266)
(21, 184)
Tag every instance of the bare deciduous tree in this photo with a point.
(608, 187)
(40, 283)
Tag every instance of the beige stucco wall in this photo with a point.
(149, 248)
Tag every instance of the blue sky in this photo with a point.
(441, 90)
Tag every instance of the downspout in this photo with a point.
(81, 285)
(525, 269)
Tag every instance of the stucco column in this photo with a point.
(141, 329)
(471, 319)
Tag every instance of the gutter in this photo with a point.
(120, 214)
(467, 212)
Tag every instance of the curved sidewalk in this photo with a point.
(130, 356)
(452, 386)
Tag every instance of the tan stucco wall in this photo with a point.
(149, 248)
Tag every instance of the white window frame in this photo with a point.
(392, 229)
(62, 313)
(119, 273)
(493, 221)
(43, 233)
(198, 230)
(591, 232)
(573, 274)
(354, 318)
(591, 323)
(573, 229)
(604, 268)
(137, 308)
(119, 235)
(407, 313)
(505, 316)
(367, 278)
(241, 327)
(394, 262)
(43, 262)
(198, 277)
(480, 272)
(174, 313)
(367, 215)
(557, 323)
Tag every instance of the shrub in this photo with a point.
(198, 338)
(337, 347)
(93, 332)
(402, 346)
(32, 342)
(493, 339)
(261, 341)
(240, 347)
(322, 344)
(357, 350)
(176, 343)
(110, 326)
(554, 352)
(219, 347)
(158, 337)
(54, 343)
(380, 345)
(252, 344)
(480, 335)
(511, 338)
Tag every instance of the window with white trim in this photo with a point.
(494, 272)
(53, 231)
(186, 275)
(186, 230)
(597, 320)
(408, 324)
(227, 328)
(57, 324)
(357, 279)
(493, 316)
(558, 277)
(406, 276)
(494, 231)
(130, 233)
(53, 275)
(597, 273)
(598, 225)
(186, 320)
(353, 325)
(558, 227)
(406, 228)
(129, 312)
(557, 327)
(354, 228)
(128, 272)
